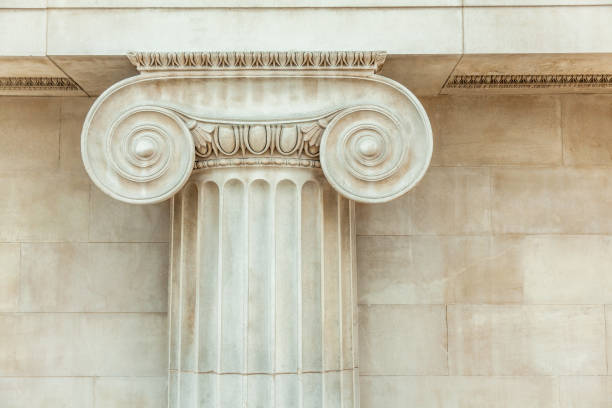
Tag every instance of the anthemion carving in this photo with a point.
(263, 156)
(530, 81)
(38, 83)
(302, 60)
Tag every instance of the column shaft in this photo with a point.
(262, 292)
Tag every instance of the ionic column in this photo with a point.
(263, 156)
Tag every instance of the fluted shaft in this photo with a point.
(262, 292)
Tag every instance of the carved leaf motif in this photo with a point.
(312, 133)
(203, 133)
(257, 59)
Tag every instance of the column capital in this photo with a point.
(191, 111)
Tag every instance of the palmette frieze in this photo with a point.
(283, 60)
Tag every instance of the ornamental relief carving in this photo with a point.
(531, 81)
(258, 142)
(354, 145)
(166, 61)
(38, 83)
(145, 136)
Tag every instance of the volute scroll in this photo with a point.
(370, 155)
(145, 157)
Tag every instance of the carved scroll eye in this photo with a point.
(369, 155)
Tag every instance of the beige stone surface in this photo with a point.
(251, 3)
(510, 3)
(43, 207)
(459, 392)
(131, 392)
(490, 279)
(33, 72)
(81, 344)
(526, 340)
(390, 218)
(416, 333)
(551, 200)
(608, 312)
(537, 269)
(397, 30)
(422, 74)
(9, 277)
(63, 277)
(544, 64)
(73, 112)
(64, 392)
(95, 74)
(437, 270)
(587, 121)
(286, 3)
(399, 270)
(30, 133)
(566, 269)
(114, 221)
(449, 200)
(585, 392)
(22, 32)
(495, 130)
(536, 29)
(23, 4)
(28, 66)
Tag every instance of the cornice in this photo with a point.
(530, 81)
(37, 83)
(258, 60)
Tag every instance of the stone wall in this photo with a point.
(486, 286)
(83, 278)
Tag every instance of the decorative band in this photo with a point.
(368, 60)
(37, 83)
(530, 81)
(257, 161)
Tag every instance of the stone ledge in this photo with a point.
(424, 75)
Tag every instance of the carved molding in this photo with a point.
(298, 138)
(530, 81)
(282, 60)
(145, 135)
(38, 83)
